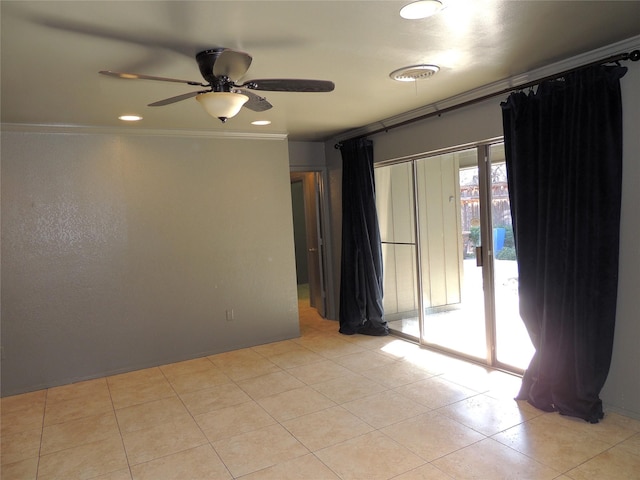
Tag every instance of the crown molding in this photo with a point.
(496, 87)
(137, 132)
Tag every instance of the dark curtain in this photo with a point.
(563, 148)
(361, 309)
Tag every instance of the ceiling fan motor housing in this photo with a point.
(206, 59)
(222, 67)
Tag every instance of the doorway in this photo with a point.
(450, 272)
(306, 190)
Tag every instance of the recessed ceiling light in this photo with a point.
(421, 9)
(130, 118)
(261, 122)
(414, 73)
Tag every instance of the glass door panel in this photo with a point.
(513, 346)
(450, 271)
(449, 230)
(396, 215)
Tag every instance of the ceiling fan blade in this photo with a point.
(256, 102)
(289, 85)
(178, 98)
(96, 30)
(232, 64)
(138, 76)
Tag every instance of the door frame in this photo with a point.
(320, 219)
(486, 233)
(487, 255)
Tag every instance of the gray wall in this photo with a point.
(622, 390)
(483, 121)
(123, 252)
(299, 232)
(306, 156)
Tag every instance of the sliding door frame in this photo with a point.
(487, 253)
(486, 232)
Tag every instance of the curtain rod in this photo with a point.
(634, 56)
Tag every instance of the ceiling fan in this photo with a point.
(221, 68)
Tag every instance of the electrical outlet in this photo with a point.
(230, 315)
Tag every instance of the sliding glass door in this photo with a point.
(513, 347)
(451, 282)
(450, 276)
(395, 201)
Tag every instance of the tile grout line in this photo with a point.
(44, 412)
(113, 408)
(208, 442)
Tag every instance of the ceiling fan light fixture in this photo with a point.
(421, 9)
(414, 73)
(222, 105)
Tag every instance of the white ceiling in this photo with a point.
(52, 52)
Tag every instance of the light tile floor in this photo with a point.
(322, 406)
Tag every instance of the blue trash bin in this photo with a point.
(498, 240)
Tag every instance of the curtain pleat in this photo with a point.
(361, 307)
(563, 148)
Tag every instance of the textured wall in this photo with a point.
(122, 252)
